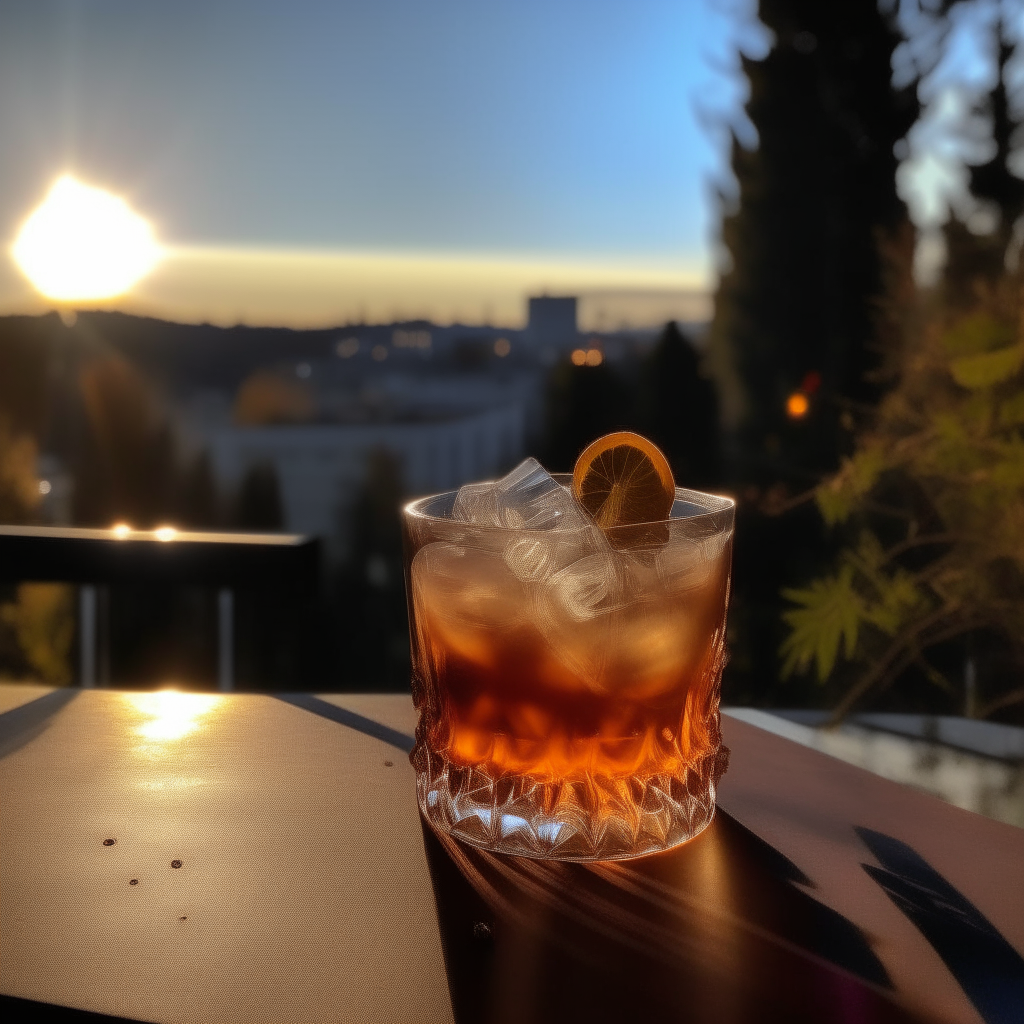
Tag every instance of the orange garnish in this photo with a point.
(623, 479)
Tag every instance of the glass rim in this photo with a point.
(414, 510)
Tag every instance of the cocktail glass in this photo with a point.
(568, 678)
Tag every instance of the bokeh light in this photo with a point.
(797, 405)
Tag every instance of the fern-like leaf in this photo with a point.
(830, 614)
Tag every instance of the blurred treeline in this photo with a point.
(67, 392)
(880, 544)
(872, 420)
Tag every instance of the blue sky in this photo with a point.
(562, 127)
(565, 145)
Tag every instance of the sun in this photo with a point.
(82, 243)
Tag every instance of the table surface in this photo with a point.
(308, 889)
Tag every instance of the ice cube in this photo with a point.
(531, 499)
(463, 598)
(477, 504)
(535, 557)
(528, 498)
(688, 564)
(575, 608)
(586, 587)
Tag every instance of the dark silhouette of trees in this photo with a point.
(374, 628)
(127, 466)
(809, 239)
(795, 305)
(258, 505)
(679, 410)
(583, 402)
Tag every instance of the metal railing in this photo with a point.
(97, 558)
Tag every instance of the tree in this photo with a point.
(931, 505)
(127, 463)
(258, 505)
(42, 620)
(19, 486)
(371, 585)
(679, 410)
(583, 403)
(795, 306)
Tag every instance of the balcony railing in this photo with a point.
(96, 558)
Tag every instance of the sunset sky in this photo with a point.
(313, 162)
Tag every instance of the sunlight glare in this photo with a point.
(83, 243)
(172, 715)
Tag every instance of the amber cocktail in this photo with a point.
(567, 675)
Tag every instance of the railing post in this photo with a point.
(103, 637)
(226, 639)
(87, 637)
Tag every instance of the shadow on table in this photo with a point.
(987, 967)
(23, 724)
(715, 930)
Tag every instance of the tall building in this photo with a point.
(552, 323)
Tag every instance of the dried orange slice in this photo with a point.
(623, 479)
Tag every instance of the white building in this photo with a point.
(321, 466)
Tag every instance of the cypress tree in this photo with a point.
(679, 410)
(795, 306)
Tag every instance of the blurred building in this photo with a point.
(552, 326)
(442, 429)
(321, 466)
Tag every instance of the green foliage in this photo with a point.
(976, 333)
(864, 594)
(830, 611)
(839, 495)
(42, 619)
(989, 368)
(19, 486)
(935, 495)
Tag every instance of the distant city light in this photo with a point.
(797, 405)
(379, 353)
(120, 530)
(347, 347)
(502, 347)
(411, 339)
(595, 357)
(44, 487)
(84, 244)
(303, 370)
(165, 533)
(579, 357)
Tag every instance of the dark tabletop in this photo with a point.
(268, 863)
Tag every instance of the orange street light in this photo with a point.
(797, 406)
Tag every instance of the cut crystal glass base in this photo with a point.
(598, 818)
